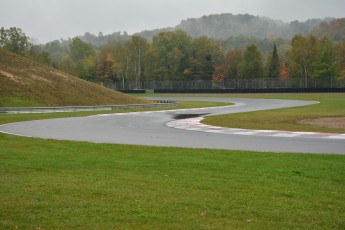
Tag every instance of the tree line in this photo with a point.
(176, 56)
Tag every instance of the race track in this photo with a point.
(149, 128)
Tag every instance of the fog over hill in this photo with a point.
(223, 26)
(50, 20)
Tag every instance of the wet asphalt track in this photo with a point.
(148, 128)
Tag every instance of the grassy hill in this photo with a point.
(25, 83)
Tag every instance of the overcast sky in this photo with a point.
(47, 20)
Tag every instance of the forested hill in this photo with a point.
(334, 29)
(223, 26)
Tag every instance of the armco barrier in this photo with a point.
(156, 104)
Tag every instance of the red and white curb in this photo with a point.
(164, 111)
(194, 124)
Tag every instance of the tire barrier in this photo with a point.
(133, 91)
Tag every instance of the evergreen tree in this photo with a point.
(273, 64)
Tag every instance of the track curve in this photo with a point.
(148, 128)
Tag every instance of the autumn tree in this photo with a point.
(284, 73)
(105, 67)
(122, 56)
(139, 47)
(66, 65)
(80, 50)
(252, 63)
(234, 62)
(162, 47)
(171, 54)
(341, 59)
(37, 53)
(149, 65)
(14, 40)
(57, 51)
(218, 76)
(208, 53)
(79, 60)
(86, 69)
(325, 65)
(302, 57)
(333, 29)
(194, 70)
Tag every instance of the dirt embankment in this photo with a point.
(328, 122)
(24, 82)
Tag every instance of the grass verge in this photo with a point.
(51, 184)
(331, 105)
(48, 184)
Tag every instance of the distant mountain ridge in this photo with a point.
(223, 26)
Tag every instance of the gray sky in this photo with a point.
(46, 20)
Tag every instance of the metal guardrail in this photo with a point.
(283, 90)
(256, 83)
(19, 110)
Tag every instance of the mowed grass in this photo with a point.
(47, 184)
(331, 105)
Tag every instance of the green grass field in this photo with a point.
(75, 185)
(331, 105)
(48, 184)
